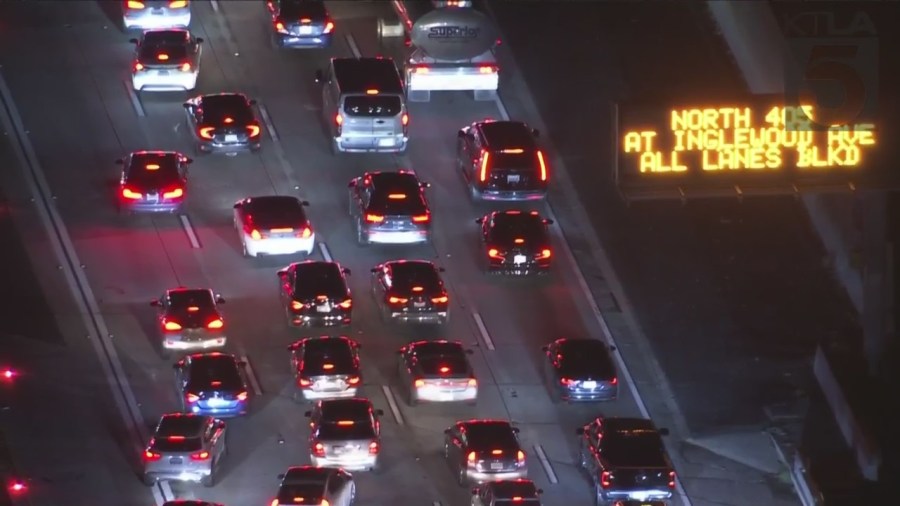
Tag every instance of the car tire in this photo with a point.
(462, 476)
(244, 251)
(148, 480)
(410, 397)
(352, 494)
(334, 148)
(598, 497)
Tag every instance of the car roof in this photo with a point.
(224, 100)
(346, 409)
(316, 267)
(570, 345)
(624, 424)
(306, 474)
(510, 488)
(190, 502)
(356, 75)
(153, 167)
(507, 134)
(393, 181)
(436, 347)
(177, 424)
(329, 342)
(168, 36)
(504, 217)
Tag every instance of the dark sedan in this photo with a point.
(580, 370)
(516, 242)
(315, 293)
(223, 123)
(301, 23)
(152, 182)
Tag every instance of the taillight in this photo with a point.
(151, 456)
(347, 304)
(191, 398)
(200, 456)
(495, 253)
(485, 156)
(215, 324)
(615, 381)
(304, 382)
(373, 448)
(207, 132)
(419, 383)
(255, 235)
(542, 165)
(305, 232)
(405, 121)
(473, 382)
(605, 479)
(242, 396)
(421, 219)
(134, 4)
(353, 380)
(487, 69)
(520, 457)
(174, 193)
(471, 457)
(329, 26)
(567, 382)
(170, 325)
(496, 452)
(325, 503)
(440, 300)
(177, 4)
(422, 70)
(397, 300)
(319, 450)
(185, 67)
(296, 305)
(8, 374)
(338, 122)
(138, 66)
(671, 479)
(128, 193)
(280, 27)
(545, 253)
(253, 130)
(374, 218)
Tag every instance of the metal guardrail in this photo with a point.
(804, 484)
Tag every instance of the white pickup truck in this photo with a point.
(452, 48)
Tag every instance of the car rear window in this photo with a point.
(220, 373)
(307, 493)
(295, 9)
(152, 170)
(275, 212)
(361, 429)
(318, 352)
(218, 107)
(491, 435)
(634, 448)
(372, 106)
(456, 365)
(518, 500)
(188, 298)
(525, 161)
(400, 202)
(176, 53)
(176, 444)
(312, 280)
(409, 274)
(526, 226)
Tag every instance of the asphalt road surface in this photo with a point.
(65, 63)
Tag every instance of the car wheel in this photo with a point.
(462, 476)
(598, 497)
(334, 148)
(361, 237)
(411, 396)
(148, 480)
(244, 251)
(352, 494)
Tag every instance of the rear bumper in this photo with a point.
(453, 79)
(434, 317)
(636, 494)
(608, 394)
(175, 342)
(349, 463)
(158, 207)
(238, 147)
(303, 41)
(280, 246)
(239, 410)
(519, 270)
(475, 476)
(313, 395)
(511, 195)
(436, 394)
(371, 144)
(320, 320)
(147, 21)
(194, 475)
(397, 236)
(175, 81)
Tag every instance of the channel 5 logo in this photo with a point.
(835, 63)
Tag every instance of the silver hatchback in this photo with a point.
(185, 447)
(155, 14)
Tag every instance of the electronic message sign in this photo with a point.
(758, 146)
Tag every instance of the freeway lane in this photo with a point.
(68, 85)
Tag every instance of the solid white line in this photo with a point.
(166, 489)
(504, 114)
(545, 463)
(214, 4)
(157, 495)
(135, 99)
(61, 243)
(483, 331)
(352, 43)
(392, 403)
(325, 253)
(270, 127)
(251, 375)
(189, 230)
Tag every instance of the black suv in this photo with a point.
(484, 450)
(326, 367)
(411, 291)
(516, 242)
(223, 123)
(390, 208)
(315, 293)
(580, 370)
(501, 160)
(626, 459)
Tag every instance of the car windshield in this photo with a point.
(218, 373)
(372, 106)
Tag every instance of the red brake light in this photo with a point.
(170, 325)
(605, 479)
(279, 26)
(151, 456)
(305, 382)
(440, 300)
(215, 324)
(419, 383)
(253, 130)
(329, 26)
(305, 20)
(138, 66)
(671, 479)
(373, 448)
(134, 4)
(405, 119)
(185, 67)
(471, 457)
(567, 382)
(200, 456)
(328, 367)
(444, 370)
(347, 304)
(473, 382)
(193, 309)
(397, 300)
(494, 253)
(128, 193)
(545, 253)
(242, 396)
(255, 235)
(520, 456)
(162, 57)
(8, 374)
(353, 380)
(485, 156)
(338, 119)
(422, 70)
(421, 219)
(305, 232)
(17, 487)
(487, 69)
(374, 218)
(176, 438)
(319, 450)
(174, 193)
(177, 4)
(496, 452)
(296, 305)
(543, 166)
(192, 398)
(615, 381)
(417, 289)
(207, 132)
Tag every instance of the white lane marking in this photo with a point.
(325, 253)
(251, 375)
(392, 403)
(485, 336)
(215, 5)
(592, 303)
(99, 334)
(545, 463)
(157, 495)
(189, 230)
(353, 47)
(135, 99)
(166, 489)
(436, 503)
(270, 127)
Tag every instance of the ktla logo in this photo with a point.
(833, 61)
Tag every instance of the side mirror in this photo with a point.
(374, 270)
(579, 431)
(351, 184)
(545, 349)
(241, 363)
(281, 476)
(663, 431)
(119, 161)
(133, 41)
(282, 273)
(188, 161)
(548, 222)
(155, 303)
(307, 414)
(304, 203)
(447, 431)
(536, 132)
(479, 221)
(425, 185)
(379, 412)
(540, 491)
(515, 430)
(441, 269)
(187, 105)
(319, 77)
(252, 101)
(469, 352)
(220, 299)
(460, 134)
(236, 205)
(292, 346)
(199, 40)
(357, 345)
(220, 424)
(346, 271)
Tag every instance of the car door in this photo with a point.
(217, 438)
(193, 110)
(353, 191)
(456, 444)
(381, 284)
(182, 373)
(286, 287)
(550, 364)
(468, 153)
(592, 448)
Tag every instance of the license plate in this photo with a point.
(326, 385)
(512, 178)
(519, 259)
(153, 197)
(496, 466)
(418, 304)
(590, 385)
(216, 402)
(337, 450)
(175, 460)
(324, 308)
(386, 142)
(231, 138)
(305, 30)
(162, 73)
(158, 12)
(445, 396)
